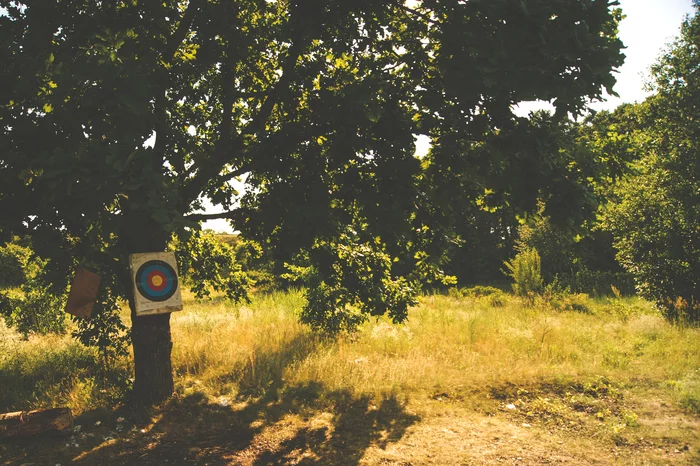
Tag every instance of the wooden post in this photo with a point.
(26, 423)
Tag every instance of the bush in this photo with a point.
(555, 246)
(601, 282)
(687, 392)
(524, 269)
(348, 281)
(655, 223)
(13, 261)
(207, 263)
(27, 302)
(32, 310)
(585, 264)
(479, 291)
(496, 300)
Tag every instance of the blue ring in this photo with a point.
(146, 285)
(144, 288)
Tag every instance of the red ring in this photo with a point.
(149, 280)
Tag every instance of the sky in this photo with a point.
(649, 26)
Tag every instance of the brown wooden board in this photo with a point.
(83, 292)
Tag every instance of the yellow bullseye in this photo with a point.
(157, 280)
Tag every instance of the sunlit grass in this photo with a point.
(448, 343)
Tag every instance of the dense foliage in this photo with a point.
(582, 262)
(25, 300)
(209, 264)
(655, 218)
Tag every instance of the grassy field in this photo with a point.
(467, 380)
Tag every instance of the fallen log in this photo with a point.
(27, 423)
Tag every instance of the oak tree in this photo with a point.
(119, 118)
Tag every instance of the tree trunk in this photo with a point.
(150, 335)
(23, 423)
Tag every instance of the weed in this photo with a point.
(687, 392)
(497, 300)
(480, 291)
(524, 269)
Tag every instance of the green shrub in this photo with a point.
(32, 310)
(206, 263)
(524, 269)
(555, 245)
(27, 302)
(687, 392)
(585, 263)
(479, 291)
(496, 300)
(600, 282)
(661, 251)
(13, 262)
(349, 281)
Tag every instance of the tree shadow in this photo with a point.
(358, 423)
(272, 423)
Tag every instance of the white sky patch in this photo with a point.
(150, 142)
(220, 225)
(422, 145)
(649, 27)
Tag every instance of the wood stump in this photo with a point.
(28, 423)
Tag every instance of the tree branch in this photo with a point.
(204, 217)
(180, 33)
(258, 122)
(224, 147)
(402, 6)
(171, 46)
(229, 176)
(235, 215)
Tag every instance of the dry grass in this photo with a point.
(463, 381)
(447, 343)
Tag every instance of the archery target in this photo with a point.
(156, 285)
(156, 280)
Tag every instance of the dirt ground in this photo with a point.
(309, 426)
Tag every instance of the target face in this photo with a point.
(156, 281)
(156, 287)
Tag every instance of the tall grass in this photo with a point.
(456, 343)
(51, 370)
(448, 343)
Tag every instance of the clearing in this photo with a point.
(467, 380)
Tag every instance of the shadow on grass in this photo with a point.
(50, 378)
(277, 423)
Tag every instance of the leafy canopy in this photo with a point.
(119, 118)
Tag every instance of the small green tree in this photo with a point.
(26, 301)
(524, 269)
(13, 262)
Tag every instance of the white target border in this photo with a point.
(145, 306)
